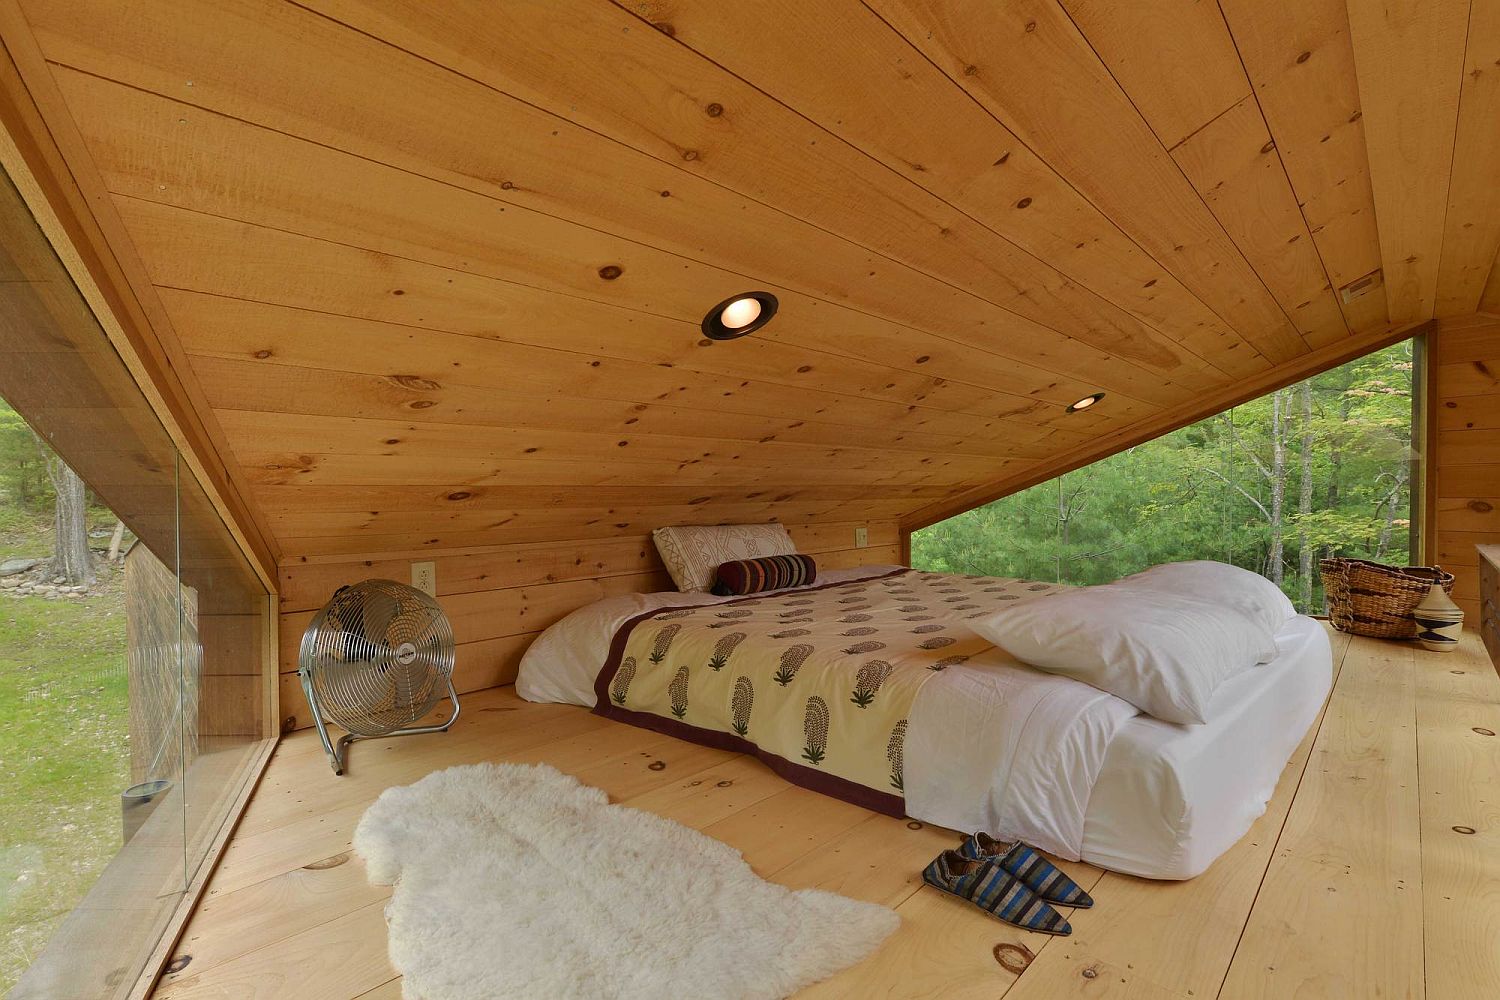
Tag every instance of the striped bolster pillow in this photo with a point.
(751, 576)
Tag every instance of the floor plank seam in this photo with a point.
(1280, 830)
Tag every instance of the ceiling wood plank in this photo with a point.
(390, 442)
(423, 363)
(275, 463)
(1301, 63)
(842, 67)
(1471, 234)
(285, 499)
(1173, 57)
(246, 385)
(540, 523)
(1409, 58)
(1029, 66)
(1232, 162)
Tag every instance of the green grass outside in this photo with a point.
(64, 755)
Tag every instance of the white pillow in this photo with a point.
(1164, 653)
(1222, 583)
(693, 552)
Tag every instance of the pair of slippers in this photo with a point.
(1010, 880)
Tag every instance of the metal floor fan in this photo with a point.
(374, 661)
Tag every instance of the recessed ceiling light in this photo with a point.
(1086, 402)
(739, 315)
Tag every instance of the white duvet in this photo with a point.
(992, 744)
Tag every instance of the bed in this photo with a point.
(987, 742)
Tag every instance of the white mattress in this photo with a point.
(1170, 799)
(1122, 791)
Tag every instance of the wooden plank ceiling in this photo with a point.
(439, 267)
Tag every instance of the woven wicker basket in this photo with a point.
(1367, 598)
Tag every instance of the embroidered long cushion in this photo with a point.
(752, 576)
(693, 552)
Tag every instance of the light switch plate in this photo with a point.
(861, 537)
(424, 577)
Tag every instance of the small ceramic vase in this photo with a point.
(1441, 621)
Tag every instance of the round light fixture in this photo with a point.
(740, 315)
(1086, 402)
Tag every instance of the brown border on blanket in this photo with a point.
(797, 774)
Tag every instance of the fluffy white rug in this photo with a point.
(517, 881)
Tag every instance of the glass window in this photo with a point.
(1323, 467)
(133, 646)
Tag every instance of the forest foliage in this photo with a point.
(1319, 468)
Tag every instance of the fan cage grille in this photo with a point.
(378, 657)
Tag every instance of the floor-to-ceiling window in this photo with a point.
(1323, 467)
(133, 641)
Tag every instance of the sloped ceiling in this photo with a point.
(438, 268)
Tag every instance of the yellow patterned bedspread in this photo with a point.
(817, 682)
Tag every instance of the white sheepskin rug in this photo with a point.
(517, 881)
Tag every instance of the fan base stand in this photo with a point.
(338, 753)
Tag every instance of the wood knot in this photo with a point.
(263, 354)
(1003, 157)
(416, 382)
(665, 27)
(714, 110)
(923, 359)
(1023, 203)
(178, 964)
(1270, 145)
(1030, 27)
(723, 784)
(1304, 57)
(803, 369)
(689, 154)
(1013, 958)
(1481, 506)
(609, 272)
(657, 765)
(458, 495)
(914, 825)
(398, 291)
(1483, 731)
(327, 863)
(507, 186)
(421, 404)
(971, 71)
(392, 440)
(1467, 831)
(1090, 973)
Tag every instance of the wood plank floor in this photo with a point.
(1374, 873)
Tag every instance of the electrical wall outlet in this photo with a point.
(861, 537)
(424, 577)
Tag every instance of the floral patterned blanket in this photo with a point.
(817, 682)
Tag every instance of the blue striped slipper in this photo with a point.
(1035, 872)
(992, 888)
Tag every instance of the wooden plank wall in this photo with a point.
(1465, 376)
(499, 598)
